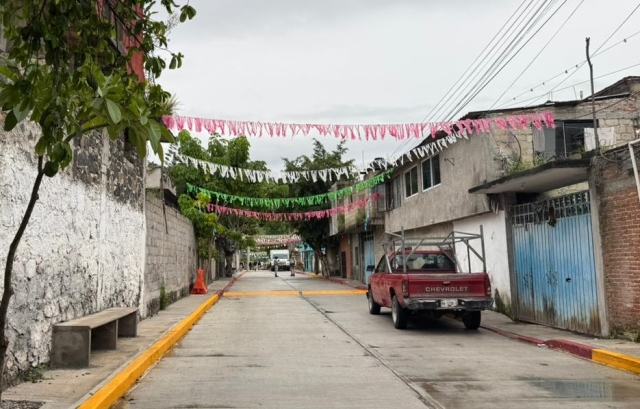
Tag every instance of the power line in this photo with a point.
(489, 56)
(538, 55)
(573, 85)
(468, 101)
(581, 64)
(504, 38)
(474, 61)
(509, 102)
(455, 86)
(500, 58)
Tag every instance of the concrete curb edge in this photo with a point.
(115, 387)
(334, 279)
(602, 356)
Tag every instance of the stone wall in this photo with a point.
(619, 219)
(83, 249)
(171, 255)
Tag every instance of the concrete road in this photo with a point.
(267, 346)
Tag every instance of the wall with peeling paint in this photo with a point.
(496, 250)
(83, 250)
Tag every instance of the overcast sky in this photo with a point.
(372, 61)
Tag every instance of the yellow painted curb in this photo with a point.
(119, 385)
(618, 361)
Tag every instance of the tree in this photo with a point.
(75, 67)
(315, 232)
(234, 232)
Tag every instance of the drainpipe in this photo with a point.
(635, 165)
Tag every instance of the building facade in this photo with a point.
(540, 210)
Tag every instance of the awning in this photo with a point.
(551, 175)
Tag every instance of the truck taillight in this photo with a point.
(405, 288)
(487, 286)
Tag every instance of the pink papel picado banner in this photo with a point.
(358, 132)
(290, 217)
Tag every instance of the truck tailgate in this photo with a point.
(447, 285)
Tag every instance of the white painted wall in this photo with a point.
(83, 251)
(494, 226)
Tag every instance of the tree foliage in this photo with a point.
(315, 232)
(236, 231)
(71, 68)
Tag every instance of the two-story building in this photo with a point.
(508, 181)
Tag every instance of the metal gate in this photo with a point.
(369, 256)
(555, 264)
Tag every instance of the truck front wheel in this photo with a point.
(472, 320)
(399, 315)
(374, 307)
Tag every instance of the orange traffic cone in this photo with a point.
(199, 287)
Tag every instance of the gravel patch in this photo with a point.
(20, 404)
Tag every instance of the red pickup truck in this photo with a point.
(426, 282)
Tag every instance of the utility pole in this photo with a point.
(593, 100)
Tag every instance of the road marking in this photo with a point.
(334, 292)
(292, 293)
(258, 293)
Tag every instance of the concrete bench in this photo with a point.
(72, 341)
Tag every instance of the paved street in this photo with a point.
(266, 346)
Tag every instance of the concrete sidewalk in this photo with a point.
(64, 388)
(619, 354)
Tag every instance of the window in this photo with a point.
(357, 258)
(382, 201)
(432, 262)
(563, 141)
(394, 193)
(117, 30)
(382, 265)
(431, 172)
(411, 182)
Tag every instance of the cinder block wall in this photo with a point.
(171, 255)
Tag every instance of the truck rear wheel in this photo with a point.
(399, 315)
(472, 320)
(374, 307)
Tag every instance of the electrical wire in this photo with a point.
(429, 115)
(474, 61)
(538, 55)
(468, 101)
(486, 59)
(597, 52)
(573, 85)
(514, 42)
(509, 102)
(566, 71)
(456, 87)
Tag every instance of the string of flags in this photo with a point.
(259, 176)
(425, 151)
(289, 217)
(357, 132)
(275, 240)
(277, 203)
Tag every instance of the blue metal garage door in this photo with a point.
(369, 256)
(555, 264)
